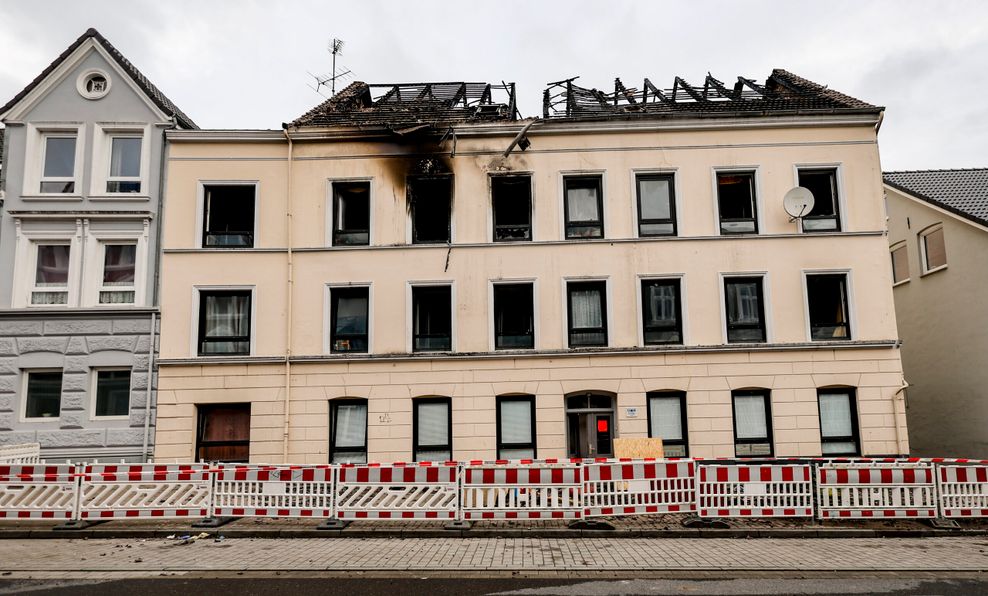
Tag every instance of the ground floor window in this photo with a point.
(752, 423)
(223, 433)
(667, 421)
(838, 422)
(112, 393)
(516, 427)
(348, 431)
(432, 429)
(590, 425)
(43, 394)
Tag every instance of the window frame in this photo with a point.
(766, 395)
(638, 175)
(501, 445)
(412, 236)
(600, 222)
(201, 212)
(71, 282)
(837, 169)
(103, 156)
(851, 324)
(416, 447)
(493, 211)
(94, 391)
(754, 172)
(332, 212)
(199, 443)
(410, 315)
(198, 319)
(494, 284)
(333, 419)
(923, 257)
(763, 303)
(137, 288)
(26, 383)
(35, 149)
(604, 307)
(670, 394)
(855, 428)
(680, 323)
(331, 319)
(899, 246)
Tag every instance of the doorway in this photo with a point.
(590, 425)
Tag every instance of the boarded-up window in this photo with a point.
(223, 433)
(934, 250)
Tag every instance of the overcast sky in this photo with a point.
(244, 64)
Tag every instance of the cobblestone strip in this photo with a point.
(482, 554)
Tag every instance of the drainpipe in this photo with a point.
(897, 417)
(290, 295)
(520, 136)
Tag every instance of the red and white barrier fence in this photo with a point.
(145, 490)
(421, 490)
(755, 490)
(30, 491)
(617, 488)
(540, 489)
(876, 490)
(27, 453)
(273, 491)
(963, 490)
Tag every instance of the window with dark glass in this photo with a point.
(752, 423)
(934, 249)
(513, 316)
(58, 169)
(661, 312)
(432, 324)
(736, 203)
(511, 197)
(44, 394)
(667, 421)
(125, 164)
(587, 313)
(838, 422)
(584, 208)
(223, 433)
(656, 205)
(51, 276)
(224, 322)
(119, 269)
(228, 217)
(516, 427)
(825, 215)
(827, 298)
(348, 319)
(112, 393)
(348, 431)
(745, 309)
(900, 263)
(431, 203)
(351, 213)
(432, 429)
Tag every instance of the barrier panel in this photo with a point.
(29, 491)
(145, 490)
(755, 489)
(963, 490)
(421, 490)
(546, 489)
(273, 491)
(615, 488)
(876, 490)
(28, 453)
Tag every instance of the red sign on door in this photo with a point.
(602, 425)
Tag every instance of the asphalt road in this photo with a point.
(426, 586)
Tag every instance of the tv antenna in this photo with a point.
(336, 49)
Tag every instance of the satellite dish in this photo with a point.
(798, 202)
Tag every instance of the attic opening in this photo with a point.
(511, 197)
(431, 200)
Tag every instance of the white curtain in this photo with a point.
(516, 422)
(125, 157)
(226, 316)
(433, 423)
(667, 421)
(351, 425)
(751, 416)
(835, 415)
(586, 311)
(581, 204)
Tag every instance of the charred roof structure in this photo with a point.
(782, 93)
(409, 107)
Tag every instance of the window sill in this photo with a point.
(36, 420)
(52, 197)
(934, 270)
(900, 283)
(124, 196)
(109, 418)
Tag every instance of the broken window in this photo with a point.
(432, 325)
(587, 302)
(431, 202)
(224, 322)
(934, 249)
(900, 263)
(112, 393)
(584, 209)
(513, 317)
(351, 213)
(752, 423)
(44, 394)
(511, 197)
(838, 422)
(223, 433)
(667, 421)
(432, 430)
(745, 311)
(348, 319)
(516, 427)
(656, 205)
(827, 298)
(736, 202)
(348, 434)
(228, 219)
(824, 217)
(661, 321)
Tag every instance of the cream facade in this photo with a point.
(290, 378)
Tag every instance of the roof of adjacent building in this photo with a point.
(154, 94)
(962, 192)
(782, 93)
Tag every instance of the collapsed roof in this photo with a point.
(962, 192)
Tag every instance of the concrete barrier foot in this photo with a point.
(459, 524)
(213, 522)
(333, 524)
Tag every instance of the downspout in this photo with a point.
(896, 417)
(155, 260)
(520, 136)
(290, 296)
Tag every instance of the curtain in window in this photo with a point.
(581, 204)
(516, 422)
(654, 198)
(351, 425)
(586, 311)
(667, 421)
(227, 316)
(749, 411)
(53, 265)
(835, 415)
(125, 157)
(119, 264)
(433, 424)
(351, 315)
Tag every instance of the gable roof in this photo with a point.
(154, 94)
(962, 192)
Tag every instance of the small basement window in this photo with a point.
(431, 203)
(824, 217)
(351, 213)
(827, 302)
(736, 202)
(511, 197)
(228, 219)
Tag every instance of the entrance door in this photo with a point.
(590, 425)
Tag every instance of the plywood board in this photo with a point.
(638, 448)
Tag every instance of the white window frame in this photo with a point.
(102, 155)
(901, 245)
(756, 173)
(676, 202)
(684, 323)
(96, 242)
(201, 209)
(766, 308)
(841, 207)
(921, 237)
(328, 317)
(852, 318)
(410, 313)
(491, 325)
(194, 335)
(608, 310)
(34, 163)
(25, 373)
(94, 384)
(26, 261)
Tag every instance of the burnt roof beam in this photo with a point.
(720, 88)
(689, 90)
(656, 92)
